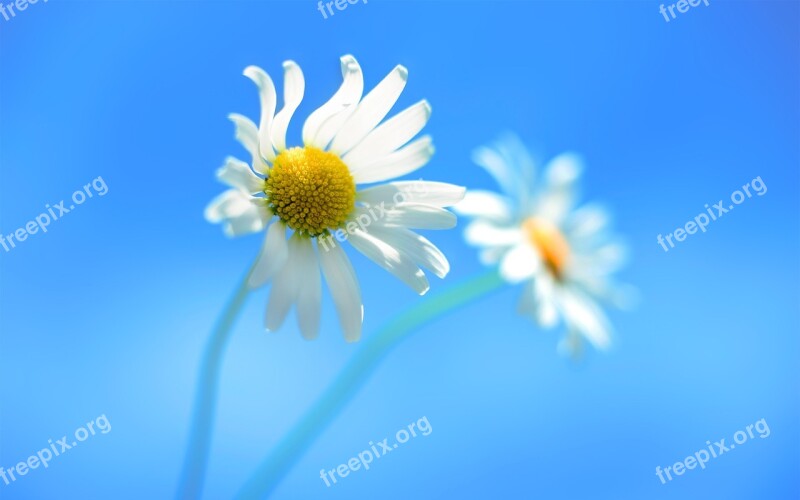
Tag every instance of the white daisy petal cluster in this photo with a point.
(306, 194)
(563, 253)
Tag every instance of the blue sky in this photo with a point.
(107, 312)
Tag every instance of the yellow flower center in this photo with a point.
(550, 243)
(310, 190)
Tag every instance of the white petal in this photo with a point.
(268, 97)
(621, 296)
(327, 120)
(588, 221)
(351, 91)
(239, 212)
(438, 194)
(538, 301)
(485, 204)
(247, 134)
(600, 261)
(492, 255)
(418, 216)
(239, 175)
(392, 165)
(371, 110)
(559, 194)
(390, 135)
(496, 166)
(224, 205)
(564, 169)
(294, 86)
(546, 313)
(390, 259)
(555, 205)
(346, 294)
(583, 314)
(251, 221)
(611, 257)
(272, 258)
(488, 234)
(285, 287)
(421, 251)
(309, 295)
(516, 155)
(520, 263)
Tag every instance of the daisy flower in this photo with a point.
(562, 253)
(310, 194)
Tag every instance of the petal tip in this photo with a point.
(444, 270)
(347, 60)
(402, 71)
(427, 107)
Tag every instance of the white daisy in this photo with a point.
(564, 255)
(310, 192)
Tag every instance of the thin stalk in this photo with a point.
(196, 459)
(269, 473)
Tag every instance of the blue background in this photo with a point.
(108, 312)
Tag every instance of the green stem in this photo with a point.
(196, 459)
(269, 473)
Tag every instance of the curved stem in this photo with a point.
(196, 459)
(269, 473)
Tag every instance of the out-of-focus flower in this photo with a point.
(562, 253)
(310, 192)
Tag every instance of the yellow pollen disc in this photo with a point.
(310, 190)
(550, 243)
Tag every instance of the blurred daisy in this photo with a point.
(563, 254)
(304, 194)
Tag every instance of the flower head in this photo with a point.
(562, 253)
(310, 194)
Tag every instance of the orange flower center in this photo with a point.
(550, 243)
